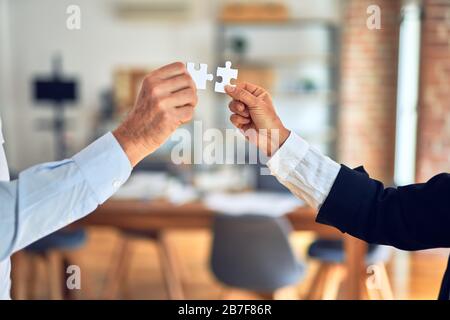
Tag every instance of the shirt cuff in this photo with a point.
(286, 159)
(304, 170)
(104, 165)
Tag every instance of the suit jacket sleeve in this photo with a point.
(412, 217)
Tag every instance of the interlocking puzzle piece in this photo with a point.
(227, 74)
(200, 76)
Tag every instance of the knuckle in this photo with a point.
(148, 80)
(192, 89)
(165, 116)
(264, 96)
(241, 94)
(155, 91)
(180, 65)
(189, 115)
(190, 94)
(240, 85)
(195, 99)
(187, 78)
(260, 102)
(158, 103)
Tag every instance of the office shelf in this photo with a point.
(290, 22)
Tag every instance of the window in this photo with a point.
(407, 94)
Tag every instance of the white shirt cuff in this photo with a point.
(304, 170)
(104, 165)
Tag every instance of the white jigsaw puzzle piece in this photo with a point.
(200, 76)
(227, 75)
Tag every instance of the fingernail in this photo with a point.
(229, 88)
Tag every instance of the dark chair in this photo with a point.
(253, 253)
(56, 251)
(64, 240)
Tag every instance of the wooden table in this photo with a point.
(142, 216)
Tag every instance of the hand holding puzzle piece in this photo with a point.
(201, 75)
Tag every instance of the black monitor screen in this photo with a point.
(49, 90)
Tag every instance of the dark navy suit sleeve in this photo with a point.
(412, 217)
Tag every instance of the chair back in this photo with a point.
(253, 252)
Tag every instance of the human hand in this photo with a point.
(254, 114)
(166, 100)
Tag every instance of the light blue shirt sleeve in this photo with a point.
(50, 196)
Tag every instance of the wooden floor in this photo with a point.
(192, 248)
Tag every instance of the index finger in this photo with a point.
(171, 70)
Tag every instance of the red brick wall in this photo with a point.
(368, 88)
(433, 146)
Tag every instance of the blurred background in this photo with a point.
(361, 94)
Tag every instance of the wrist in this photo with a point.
(134, 150)
(276, 140)
(284, 135)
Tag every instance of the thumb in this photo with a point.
(239, 93)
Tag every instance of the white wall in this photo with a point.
(38, 30)
(6, 96)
